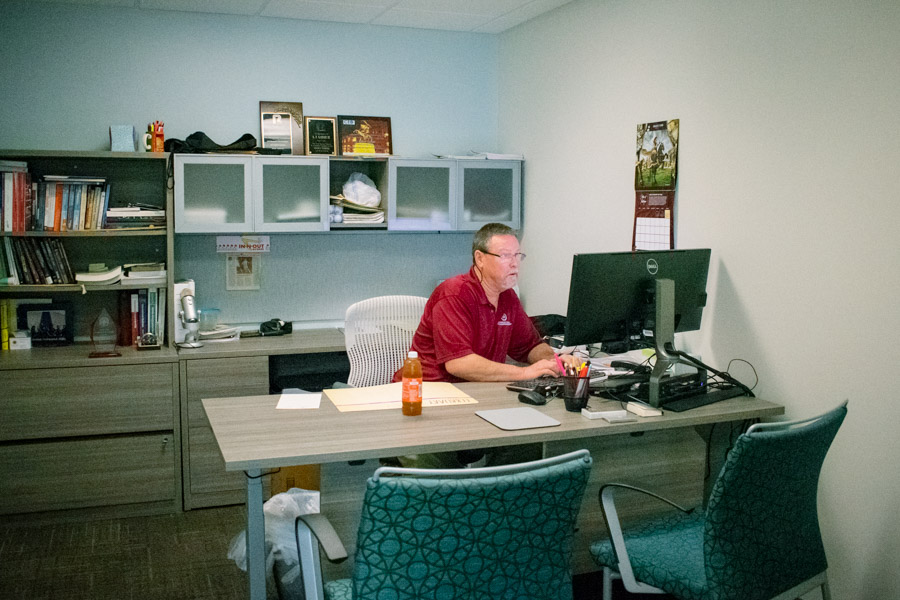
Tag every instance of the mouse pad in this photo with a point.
(522, 417)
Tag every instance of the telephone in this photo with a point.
(276, 327)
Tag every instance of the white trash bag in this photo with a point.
(281, 510)
(360, 189)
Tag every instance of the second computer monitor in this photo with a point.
(612, 295)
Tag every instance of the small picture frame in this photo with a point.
(320, 135)
(295, 110)
(49, 324)
(365, 136)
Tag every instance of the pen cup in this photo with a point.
(576, 391)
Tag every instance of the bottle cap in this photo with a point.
(413, 354)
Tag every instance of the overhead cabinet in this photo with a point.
(240, 194)
(453, 195)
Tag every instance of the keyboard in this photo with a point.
(542, 385)
(710, 397)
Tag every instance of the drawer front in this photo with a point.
(79, 401)
(224, 378)
(42, 476)
(207, 468)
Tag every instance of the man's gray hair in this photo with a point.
(483, 236)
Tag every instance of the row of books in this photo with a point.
(140, 312)
(52, 203)
(34, 261)
(65, 203)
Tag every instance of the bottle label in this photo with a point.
(412, 390)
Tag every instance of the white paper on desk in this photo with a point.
(383, 397)
(292, 398)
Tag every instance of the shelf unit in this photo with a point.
(94, 433)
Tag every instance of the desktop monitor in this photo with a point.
(612, 296)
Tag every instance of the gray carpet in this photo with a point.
(163, 557)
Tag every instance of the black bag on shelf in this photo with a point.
(200, 143)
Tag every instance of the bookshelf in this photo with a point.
(105, 430)
(133, 177)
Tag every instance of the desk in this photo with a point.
(253, 437)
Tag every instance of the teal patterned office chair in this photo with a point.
(759, 536)
(449, 534)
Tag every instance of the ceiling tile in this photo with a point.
(226, 7)
(348, 11)
(423, 19)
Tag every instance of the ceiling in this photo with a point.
(480, 16)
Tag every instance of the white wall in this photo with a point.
(787, 161)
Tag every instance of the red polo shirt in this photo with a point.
(459, 320)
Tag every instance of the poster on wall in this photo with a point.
(656, 159)
(242, 271)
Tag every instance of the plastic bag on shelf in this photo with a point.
(360, 189)
(281, 510)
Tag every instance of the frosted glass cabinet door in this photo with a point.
(290, 194)
(490, 192)
(422, 195)
(212, 194)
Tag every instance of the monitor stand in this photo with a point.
(663, 338)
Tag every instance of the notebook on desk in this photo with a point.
(522, 417)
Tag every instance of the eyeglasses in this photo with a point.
(507, 258)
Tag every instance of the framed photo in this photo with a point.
(320, 135)
(276, 131)
(365, 136)
(49, 324)
(295, 122)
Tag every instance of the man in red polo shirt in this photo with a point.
(473, 321)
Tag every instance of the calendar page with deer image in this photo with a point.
(655, 177)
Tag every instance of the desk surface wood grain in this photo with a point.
(253, 434)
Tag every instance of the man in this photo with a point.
(473, 321)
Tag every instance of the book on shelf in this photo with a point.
(100, 276)
(11, 276)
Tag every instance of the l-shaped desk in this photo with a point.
(254, 437)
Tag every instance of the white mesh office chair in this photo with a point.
(378, 333)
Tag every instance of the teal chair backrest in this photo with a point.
(762, 527)
(484, 537)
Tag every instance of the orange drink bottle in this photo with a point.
(412, 385)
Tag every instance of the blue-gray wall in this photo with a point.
(69, 72)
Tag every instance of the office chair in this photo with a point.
(378, 333)
(490, 532)
(757, 539)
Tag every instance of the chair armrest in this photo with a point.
(618, 538)
(307, 527)
(327, 537)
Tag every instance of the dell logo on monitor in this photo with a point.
(652, 266)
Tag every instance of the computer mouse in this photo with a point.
(532, 397)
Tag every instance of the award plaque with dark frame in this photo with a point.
(320, 135)
(295, 110)
(365, 136)
(49, 324)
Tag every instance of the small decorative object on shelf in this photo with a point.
(103, 336)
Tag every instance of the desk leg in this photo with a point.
(256, 535)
